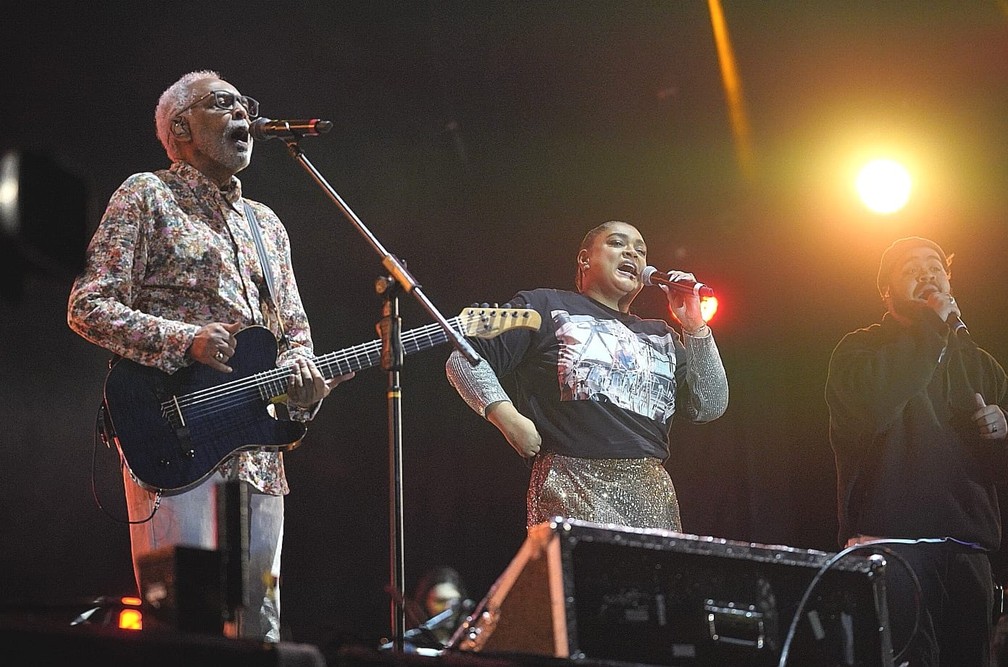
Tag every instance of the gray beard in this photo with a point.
(229, 157)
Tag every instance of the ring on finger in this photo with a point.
(219, 356)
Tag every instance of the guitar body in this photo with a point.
(171, 446)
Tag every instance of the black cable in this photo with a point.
(106, 435)
(877, 544)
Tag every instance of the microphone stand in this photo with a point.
(392, 352)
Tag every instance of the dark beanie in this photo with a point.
(895, 252)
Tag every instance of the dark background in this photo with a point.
(478, 141)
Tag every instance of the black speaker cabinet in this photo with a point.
(183, 588)
(593, 592)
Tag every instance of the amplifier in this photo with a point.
(587, 591)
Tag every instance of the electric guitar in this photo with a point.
(173, 430)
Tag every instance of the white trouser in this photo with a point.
(190, 519)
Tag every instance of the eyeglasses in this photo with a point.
(225, 100)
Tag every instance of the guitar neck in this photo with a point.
(273, 384)
(479, 322)
(368, 355)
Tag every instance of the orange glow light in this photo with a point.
(732, 83)
(708, 306)
(131, 619)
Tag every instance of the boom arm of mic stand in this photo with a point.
(389, 261)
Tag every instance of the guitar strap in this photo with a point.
(250, 217)
(253, 224)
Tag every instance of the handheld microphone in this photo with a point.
(653, 277)
(953, 321)
(264, 128)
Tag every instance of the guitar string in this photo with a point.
(220, 402)
(243, 394)
(247, 389)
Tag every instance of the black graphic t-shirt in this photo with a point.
(598, 383)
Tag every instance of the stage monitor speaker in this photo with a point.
(183, 589)
(596, 592)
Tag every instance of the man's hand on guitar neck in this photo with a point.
(305, 384)
(214, 344)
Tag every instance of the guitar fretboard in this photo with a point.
(359, 357)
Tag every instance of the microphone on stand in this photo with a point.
(264, 128)
(653, 277)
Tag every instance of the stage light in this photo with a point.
(125, 613)
(884, 186)
(130, 614)
(708, 306)
(43, 220)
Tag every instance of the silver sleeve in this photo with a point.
(478, 385)
(705, 375)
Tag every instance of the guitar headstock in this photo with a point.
(492, 322)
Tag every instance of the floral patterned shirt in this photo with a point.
(172, 253)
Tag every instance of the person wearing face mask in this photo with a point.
(174, 272)
(594, 390)
(917, 425)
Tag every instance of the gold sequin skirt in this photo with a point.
(637, 493)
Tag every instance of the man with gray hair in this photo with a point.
(179, 266)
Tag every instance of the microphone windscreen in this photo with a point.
(646, 275)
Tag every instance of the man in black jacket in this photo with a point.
(918, 428)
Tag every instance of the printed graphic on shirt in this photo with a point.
(602, 360)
